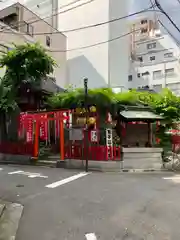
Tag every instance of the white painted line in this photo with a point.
(170, 178)
(66, 180)
(28, 174)
(174, 179)
(37, 175)
(16, 172)
(1, 169)
(90, 236)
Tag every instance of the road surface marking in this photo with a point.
(66, 180)
(90, 236)
(16, 172)
(1, 169)
(28, 174)
(175, 179)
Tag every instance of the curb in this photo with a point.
(9, 221)
(58, 164)
(143, 170)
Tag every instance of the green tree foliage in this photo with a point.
(101, 98)
(26, 64)
(164, 103)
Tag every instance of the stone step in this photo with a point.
(141, 155)
(140, 163)
(54, 157)
(9, 220)
(142, 159)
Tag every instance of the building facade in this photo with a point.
(154, 58)
(20, 25)
(98, 53)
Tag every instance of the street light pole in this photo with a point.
(86, 115)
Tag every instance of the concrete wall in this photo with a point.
(142, 158)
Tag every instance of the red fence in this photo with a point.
(17, 148)
(97, 153)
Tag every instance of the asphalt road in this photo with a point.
(105, 206)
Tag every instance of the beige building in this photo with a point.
(20, 25)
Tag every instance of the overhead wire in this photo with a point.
(21, 24)
(167, 30)
(160, 22)
(166, 14)
(95, 44)
(92, 25)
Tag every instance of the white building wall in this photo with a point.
(164, 70)
(118, 49)
(88, 62)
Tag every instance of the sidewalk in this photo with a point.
(10, 215)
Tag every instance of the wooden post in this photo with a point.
(149, 134)
(61, 134)
(36, 140)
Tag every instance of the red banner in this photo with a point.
(43, 129)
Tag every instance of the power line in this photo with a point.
(178, 1)
(167, 30)
(52, 15)
(95, 44)
(48, 16)
(92, 25)
(165, 13)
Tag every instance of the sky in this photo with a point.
(172, 7)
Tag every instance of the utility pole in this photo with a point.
(86, 115)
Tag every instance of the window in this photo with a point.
(152, 58)
(140, 59)
(169, 72)
(144, 21)
(157, 74)
(145, 73)
(168, 55)
(130, 78)
(48, 41)
(151, 45)
(30, 29)
(157, 88)
(138, 75)
(144, 30)
(173, 86)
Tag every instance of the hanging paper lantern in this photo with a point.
(92, 109)
(91, 121)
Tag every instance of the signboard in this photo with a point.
(94, 136)
(75, 134)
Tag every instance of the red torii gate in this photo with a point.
(39, 117)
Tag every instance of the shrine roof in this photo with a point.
(139, 113)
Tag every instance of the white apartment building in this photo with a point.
(154, 58)
(92, 53)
